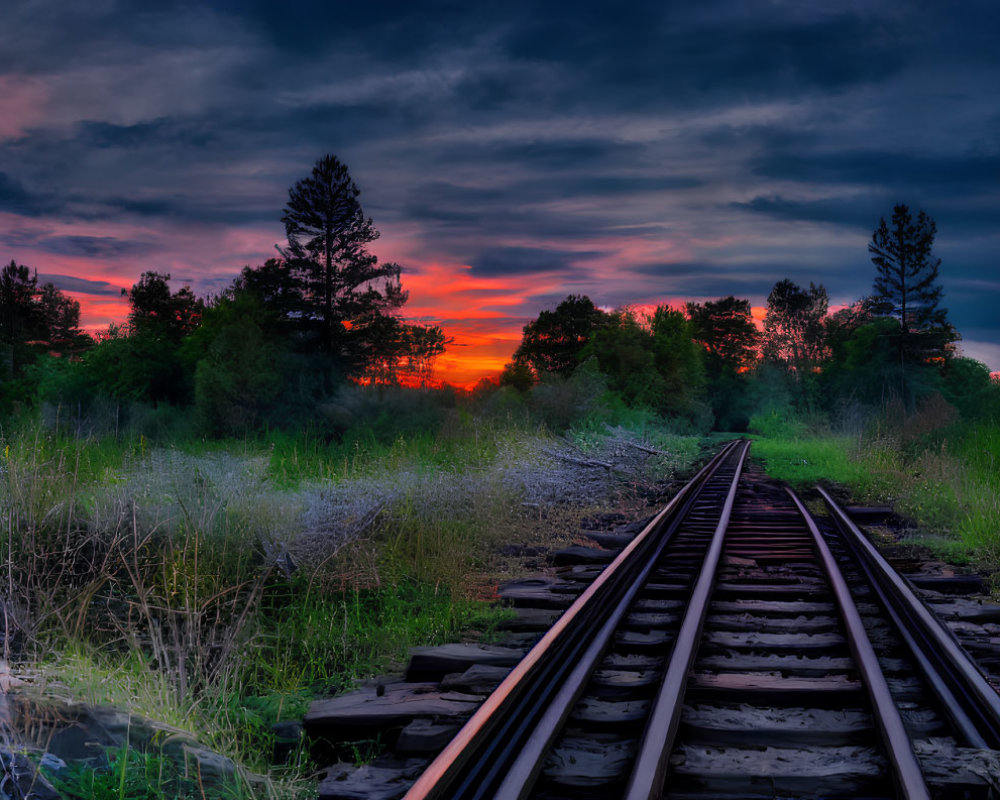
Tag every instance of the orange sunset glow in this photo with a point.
(474, 313)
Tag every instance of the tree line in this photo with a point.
(277, 345)
(712, 365)
(268, 350)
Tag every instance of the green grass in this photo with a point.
(145, 577)
(806, 461)
(946, 480)
(136, 775)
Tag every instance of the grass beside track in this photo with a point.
(219, 588)
(947, 480)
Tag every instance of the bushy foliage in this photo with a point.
(555, 341)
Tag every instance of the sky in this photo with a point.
(510, 153)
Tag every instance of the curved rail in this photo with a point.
(966, 697)
(499, 751)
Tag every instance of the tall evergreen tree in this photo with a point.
(906, 283)
(35, 320)
(18, 288)
(344, 287)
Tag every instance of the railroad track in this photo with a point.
(733, 649)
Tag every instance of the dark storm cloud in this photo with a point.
(707, 279)
(160, 132)
(567, 153)
(457, 205)
(503, 261)
(456, 219)
(944, 173)
(400, 30)
(17, 199)
(644, 47)
(93, 246)
(862, 212)
(69, 283)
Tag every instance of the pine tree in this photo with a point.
(906, 284)
(344, 285)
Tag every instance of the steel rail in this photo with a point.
(906, 772)
(650, 766)
(502, 733)
(966, 697)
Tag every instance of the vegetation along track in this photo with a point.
(733, 649)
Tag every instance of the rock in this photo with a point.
(206, 766)
(17, 772)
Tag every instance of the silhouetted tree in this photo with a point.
(239, 375)
(726, 329)
(678, 360)
(795, 339)
(623, 347)
(402, 352)
(553, 342)
(34, 320)
(518, 375)
(343, 286)
(793, 326)
(143, 361)
(906, 287)
(18, 287)
(277, 290)
(906, 284)
(156, 310)
(59, 318)
(861, 368)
